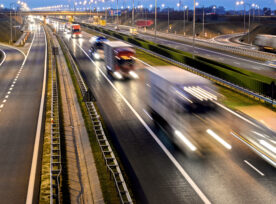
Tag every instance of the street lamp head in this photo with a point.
(163, 5)
(237, 3)
(241, 2)
(185, 7)
(178, 4)
(253, 5)
(196, 3)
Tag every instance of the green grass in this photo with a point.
(150, 59)
(107, 185)
(44, 196)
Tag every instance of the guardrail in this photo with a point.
(206, 75)
(55, 160)
(107, 153)
(202, 42)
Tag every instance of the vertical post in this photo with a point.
(244, 19)
(117, 14)
(168, 19)
(194, 30)
(10, 25)
(249, 23)
(184, 23)
(133, 13)
(203, 16)
(155, 23)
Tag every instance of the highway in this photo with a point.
(159, 170)
(21, 78)
(223, 57)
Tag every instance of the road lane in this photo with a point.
(227, 179)
(18, 120)
(224, 57)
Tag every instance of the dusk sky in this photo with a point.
(228, 4)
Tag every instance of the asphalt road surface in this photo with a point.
(159, 170)
(20, 94)
(223, 57)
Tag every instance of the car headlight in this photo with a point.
(96, 55)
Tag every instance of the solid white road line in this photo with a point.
(146, 112)
(30, 192)
(4, 58)
(253, 167)
(166, 151)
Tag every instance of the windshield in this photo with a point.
(76, 30)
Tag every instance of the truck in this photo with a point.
(133, 31)
(175, 96)
(119, 59)
(96, 49)
(76, 31)
(266, 42)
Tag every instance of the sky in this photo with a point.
(228, 4)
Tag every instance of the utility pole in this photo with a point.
(133, 13)
(203, 16)
(194, 30)
(168, 19)
(155, 24)
(184, 23)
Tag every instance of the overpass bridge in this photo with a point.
(54, 13)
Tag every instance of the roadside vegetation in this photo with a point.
(44, 196)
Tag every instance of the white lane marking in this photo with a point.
(236, 114)
(166, 151)
(253, 167)
(219, 139)
(7, 96)
(269, 160)
(12, 85)
(4, 101)
(146, 112)
(2, 105)
(237, 63)
(10, 89)
(8, 92)
(218, 53)
(4, 58)
(4, 45)
(148, 85)
(30, 192)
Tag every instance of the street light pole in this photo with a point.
(155, 23)
(194, 30)
(168, 19)
(117, 14)
(133, 13)
(203, 16)
(184, 23)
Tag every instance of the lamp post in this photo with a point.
(11, 22)
(203, 21)
(132, 14)
(155, 21)
(184, 21)
(195, 4)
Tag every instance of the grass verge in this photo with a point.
(44, 195)
(107, 185)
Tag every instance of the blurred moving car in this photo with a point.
(96, 49)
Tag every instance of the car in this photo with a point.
(271, 63)
(96, 49)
